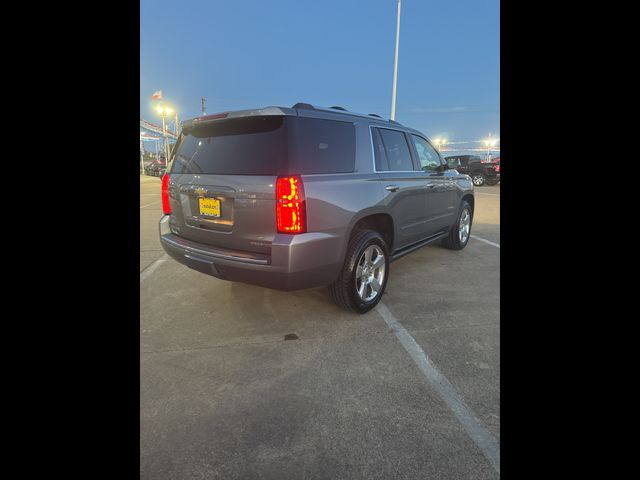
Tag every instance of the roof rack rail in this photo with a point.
(308, 106)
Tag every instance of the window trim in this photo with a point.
(373, 150)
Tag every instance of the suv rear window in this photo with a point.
(245, 146)
(270, 145)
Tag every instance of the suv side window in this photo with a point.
(429, 158)
(321, 146)
(397, 150)
(454, 162)
(382, 164)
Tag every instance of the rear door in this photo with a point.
(405, 187)
(464, 165)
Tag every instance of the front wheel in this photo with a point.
(363, 278)
(461, 230)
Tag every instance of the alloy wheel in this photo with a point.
(370, 273)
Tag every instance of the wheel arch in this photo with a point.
(374, 219)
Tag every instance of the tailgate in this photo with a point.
(226, 211)
(222, 182)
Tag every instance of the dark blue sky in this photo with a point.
(254, 53)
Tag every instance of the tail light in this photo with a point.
(497, 168)
(291, 213)
(166, 208)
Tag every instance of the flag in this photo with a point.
(157, 95)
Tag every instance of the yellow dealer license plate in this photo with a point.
(209, 207)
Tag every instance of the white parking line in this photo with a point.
(485, 241)
(151, 268)
(474, 427)
(492, 194)
(149, 204)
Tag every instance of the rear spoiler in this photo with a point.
(186, 125)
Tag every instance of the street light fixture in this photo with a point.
(164, 111)
(440, 142)
(489, 143)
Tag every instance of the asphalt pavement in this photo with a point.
(408, 390)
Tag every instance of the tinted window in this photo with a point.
(397, 150)
(322, 146)
(381, 157)
(273, 145)
(453, 162)
(246, 146)
(427, 155)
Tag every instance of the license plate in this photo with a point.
(209, 207)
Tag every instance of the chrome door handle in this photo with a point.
(430, 185)
(392, 188)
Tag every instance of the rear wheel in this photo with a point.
(478, 179)
(363, 278)
(461, 230)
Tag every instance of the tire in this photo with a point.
(345, 290)
(477, 179)
(455, 240)
(492, 182)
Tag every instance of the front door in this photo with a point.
(439, 207)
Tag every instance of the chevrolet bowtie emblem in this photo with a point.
(200, 191)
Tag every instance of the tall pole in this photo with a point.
(176, 130)
(395, 68)
(141, 158)
(164, 136)
(202, 103)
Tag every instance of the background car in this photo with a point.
(473, 166)
(152, 168)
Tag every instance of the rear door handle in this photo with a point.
(430, 185)
(392, 188)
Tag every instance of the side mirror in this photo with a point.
(442, 168)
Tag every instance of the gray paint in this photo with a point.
(425, 204)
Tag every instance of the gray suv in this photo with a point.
(301, 197)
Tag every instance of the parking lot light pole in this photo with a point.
(439, 143)
(489, 142)
(164, 111)
(395, 67)
(141, 157)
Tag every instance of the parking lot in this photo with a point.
(408, 390)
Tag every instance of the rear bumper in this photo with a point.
(296, 261)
